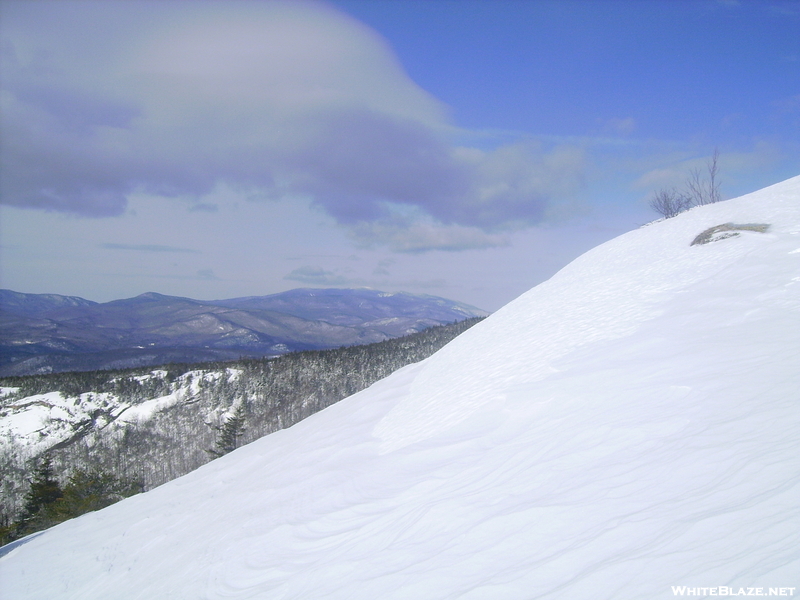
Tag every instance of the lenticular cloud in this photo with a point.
(281, 99)
(624, 430)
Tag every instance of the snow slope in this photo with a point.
(628, 426)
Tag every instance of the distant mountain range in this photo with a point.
(43, 333)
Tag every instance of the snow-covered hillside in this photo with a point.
(42, 421)
(628, 429)
(154, 425)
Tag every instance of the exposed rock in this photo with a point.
(726, 230)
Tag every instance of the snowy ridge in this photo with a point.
(42, 421)
(626, 427)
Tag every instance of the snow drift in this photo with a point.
(627, 429)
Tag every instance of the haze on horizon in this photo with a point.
(463, 149)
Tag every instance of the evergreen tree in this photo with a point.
(7, 529)
(229, 433)
(44, 490)
(47, 504)
(92, 490)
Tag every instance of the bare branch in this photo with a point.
(669, 203)
(695, 188)
(713, 184)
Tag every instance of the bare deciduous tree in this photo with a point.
(699, 190)
(669, 203)
(702, 191)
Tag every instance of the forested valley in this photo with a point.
(110, 434)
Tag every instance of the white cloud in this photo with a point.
(282, 99)
(315, 275)
(423, 236)
(734, 166)
(147, 248)
(619, 126)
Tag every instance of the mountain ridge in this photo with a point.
(50, 333)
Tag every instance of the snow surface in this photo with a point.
(628, 426)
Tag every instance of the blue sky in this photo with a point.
(466, 149)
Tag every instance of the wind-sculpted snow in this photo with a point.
(606, 294)
(627, 428)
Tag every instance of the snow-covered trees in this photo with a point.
(229, 433)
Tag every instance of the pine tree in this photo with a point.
(47, 504)
(44, 490)
(7, 529)
(36, 515)
(229, 433)
(88, 491)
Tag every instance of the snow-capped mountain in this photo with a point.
(626, 430)
(43, 333)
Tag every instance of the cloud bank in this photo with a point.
(147, 248)
(314, 275)
(103, 100)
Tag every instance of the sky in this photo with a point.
(463, 149)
